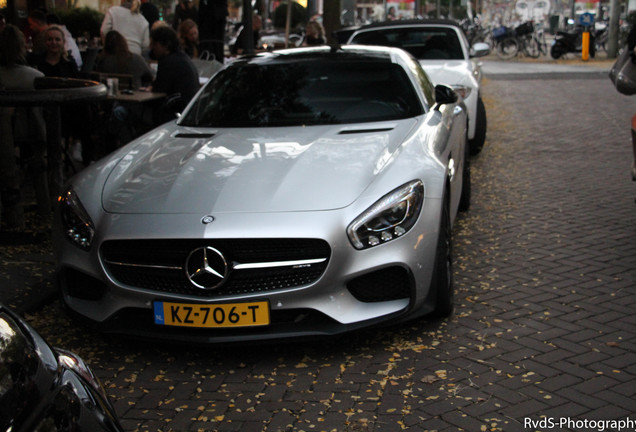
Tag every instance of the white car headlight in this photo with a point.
(76, 222)
(390, 217)
(462, 91)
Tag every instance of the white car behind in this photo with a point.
(442, 49)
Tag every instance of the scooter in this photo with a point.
(565, 42)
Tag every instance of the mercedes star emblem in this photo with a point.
(206, 268)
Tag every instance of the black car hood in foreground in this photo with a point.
(42, 389)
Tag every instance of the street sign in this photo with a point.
(586, 19)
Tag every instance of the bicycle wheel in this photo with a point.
(531, 47)
(507, 48)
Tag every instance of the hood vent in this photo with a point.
(193, 135)
(361, 131)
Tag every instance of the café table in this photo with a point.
(136, 96)
(141, 106)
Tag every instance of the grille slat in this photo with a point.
(159, 264)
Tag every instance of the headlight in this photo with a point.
(76, 222)
(70, 361)
(462, 91)
(390, 217)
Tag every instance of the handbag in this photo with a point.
(207, 65)
(623, 73)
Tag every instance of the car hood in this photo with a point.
(185, 170)
(451, 72)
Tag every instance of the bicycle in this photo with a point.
(539, 39)
(525, 39)
(505, 42)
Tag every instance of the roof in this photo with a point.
(321, 53)
(412, 22)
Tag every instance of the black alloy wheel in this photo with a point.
(481, 123)
(464, 200)
(442, 282)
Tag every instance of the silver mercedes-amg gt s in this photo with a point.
(303, 192)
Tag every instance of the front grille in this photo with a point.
(391, 283)
(159, 264)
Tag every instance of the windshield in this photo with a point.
(305, 93)
(424, 43)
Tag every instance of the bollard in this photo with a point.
(585, 46)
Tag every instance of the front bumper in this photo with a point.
(355, 289)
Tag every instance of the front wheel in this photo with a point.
(464, 199)
(477, 143)
(556, 51)
(442, 282)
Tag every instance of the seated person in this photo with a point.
(26, 125)
(177, 75)
(69, 43)
(55, 61)
(314, 34)
(76, 117)
(116, 58)
(122, 120)
(189, 38)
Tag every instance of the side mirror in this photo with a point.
(480, 49)
(445, 95)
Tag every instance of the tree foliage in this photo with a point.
(298, 15)
(82, 20)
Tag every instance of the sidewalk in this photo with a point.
(521, 66)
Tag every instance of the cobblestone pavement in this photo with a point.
(544, 329)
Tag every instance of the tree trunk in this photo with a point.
(331, 19)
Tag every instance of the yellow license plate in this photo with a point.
(212, 315)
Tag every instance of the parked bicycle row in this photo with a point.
(528, 39)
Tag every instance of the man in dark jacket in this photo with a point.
(176, 74)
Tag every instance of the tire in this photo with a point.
(556, 51)
(464, 199)
(477, 143)
(442, 281)
(507, 48)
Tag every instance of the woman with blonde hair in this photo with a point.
(315, 34)
(127, 20)
(75, 117)
(55, 61)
